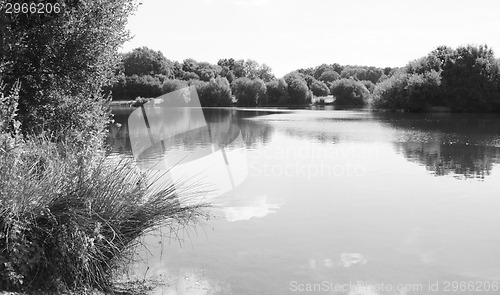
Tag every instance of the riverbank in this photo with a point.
(139, 287)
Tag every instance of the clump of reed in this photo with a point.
(68, 219)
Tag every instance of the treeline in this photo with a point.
(466, 79)
(148, 73)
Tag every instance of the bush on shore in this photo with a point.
(466, 79)
(349, 92)
(68, 216)
(277, 92)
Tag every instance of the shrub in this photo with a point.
(249, 92)
(408, 92)
(67, 222)
(145, 61)
(190, 76)
(68, 216)
(471, 79)
(144, 86)
(277, 92)
(465, 80)
(172, 85)
(63, 61)
(319, 88)
(369, 85)
(217, 92)
(119, 88)
(298, 91)
(329, 76)
(9, 110)
(349, 92)
(372, 74)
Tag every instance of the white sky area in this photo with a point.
(292, 34)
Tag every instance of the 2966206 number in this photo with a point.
(471, 286)
(32, 8)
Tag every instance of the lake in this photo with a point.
(324, 201)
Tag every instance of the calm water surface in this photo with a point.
(347, 202)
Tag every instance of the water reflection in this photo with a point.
(219, 121)
(465, 145)
(390, 224)
(247, 208)
(461, 160)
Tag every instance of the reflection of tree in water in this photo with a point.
(255, 133)
(471, 161)
(314, 135)
(466, 145)
(220, 122)
(118, 138)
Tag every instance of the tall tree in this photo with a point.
(249, 92)
(146, 61)
(62, 61)
(298, 91)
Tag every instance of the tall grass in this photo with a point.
(68, 219)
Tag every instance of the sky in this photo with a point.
(291, 34)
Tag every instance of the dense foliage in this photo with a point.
(216, 92)
(319, 88)
(249, 92)
(68, 214)
(63, 61)
(277, 92)
(466, 79)
(298, 92)
(348, 92)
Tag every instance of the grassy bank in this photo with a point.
(69, 220)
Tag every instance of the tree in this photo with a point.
(189, 65)
(471, 79)
(464, 80)
(63, 60)
(146, 61)
(265, 73)
(239, 68)
(249, 92)
(172, 85)
(298, 91)
(320, 69)
(409, 92)
(319, 88)
(360, 73)
(277, 92)
(144, 86)
(207, 71)
(329, 76)
(217, 92)
(190, 76)
(251, 68)
(369, 85)
(349, 92)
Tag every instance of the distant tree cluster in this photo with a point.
(350, 85)
(466, 79)
(148, 73)
(462, 79)
(349, 92)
